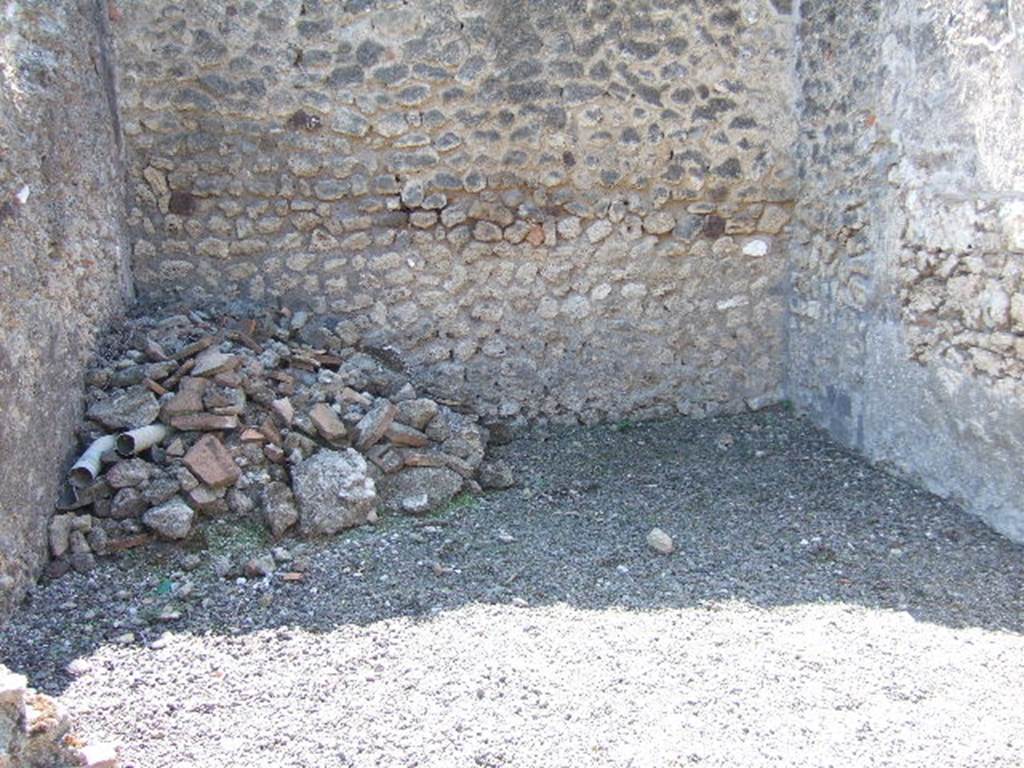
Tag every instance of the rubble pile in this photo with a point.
(35, 731)
(277, 417)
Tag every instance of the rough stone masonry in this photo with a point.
(553, 209)
(576, 210)
(906, 323)
(63, 254)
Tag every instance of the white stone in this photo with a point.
(99, 756)
(660, 542)
(732, 303)
(416, 504)
(756, 248)
(569, 228)
(659, 223)
(634, 291)
(599, 230)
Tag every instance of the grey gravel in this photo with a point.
(815, 612)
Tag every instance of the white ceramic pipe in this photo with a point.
(87, 468)
(138, 440)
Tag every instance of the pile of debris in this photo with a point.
(277, 417)
(35, 731)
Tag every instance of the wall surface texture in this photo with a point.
(63, 259)
(907, 325)
(552, 209)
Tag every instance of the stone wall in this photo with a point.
(63, 269)
(907, 307)
(552, 209)
(576, 210)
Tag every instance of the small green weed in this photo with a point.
(464, 500)
(236, 535)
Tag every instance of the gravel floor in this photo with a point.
(817, 612)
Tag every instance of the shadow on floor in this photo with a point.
(763, 509)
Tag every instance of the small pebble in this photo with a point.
(78, 667)
(191, 561)
(660, 542)
(169, 613)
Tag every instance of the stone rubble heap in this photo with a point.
(280, 418)
(35, 731)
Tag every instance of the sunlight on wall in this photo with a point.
(988, 67)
